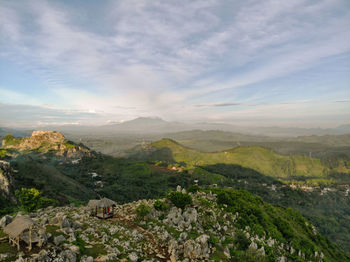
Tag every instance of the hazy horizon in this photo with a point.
(244, 63)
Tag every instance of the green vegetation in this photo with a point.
(143, 210)
(260, 159)
(328, 212)
(3, 153)
(193, 188)
(69, 145)
(127, 180)
(95, 251)
(53, 230)
(179, 199)
(284, 225)
(160, 205)
(31, 199)
(10, 140)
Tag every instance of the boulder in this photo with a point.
(66, 256)
(75, 249)
(65, 223)
(43, 256)
(59, 239)
(133, 257)
(192, 249)
(86, 259)
(5, 220)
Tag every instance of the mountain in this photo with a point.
(156, 126)
(16, 132)
(343, 128)
(211, 225)
(260, 159)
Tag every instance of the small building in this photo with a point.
(23, 229)
(103, 208)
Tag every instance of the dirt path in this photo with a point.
(161, 252)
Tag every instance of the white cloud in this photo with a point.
(158, 57)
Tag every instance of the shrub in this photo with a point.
(45, 202)
(10, 140)
(241, 241)
(70, 145)
(2, 153)
(160, 205)
(143, 210)
(30, 199)
(193, 188)
(179, 199)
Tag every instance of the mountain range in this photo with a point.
(149, 125)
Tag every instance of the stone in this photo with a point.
(59, 239)
(86, 259)
(65, 223)
(89, 231)
(192, 249)
(203, 241)
(253, 246)
(4, 257)
(67, 256)
(5, 220)
(75, 249)
(281, 259)
(44, 221)
(133, 257)
(43, 256)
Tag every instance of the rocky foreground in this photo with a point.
(203, 231)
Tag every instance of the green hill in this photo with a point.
(260, 159)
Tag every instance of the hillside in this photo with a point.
(219, 225)
(72, 173)
(260, 159)
(72, 180)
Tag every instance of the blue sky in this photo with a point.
(252, 62)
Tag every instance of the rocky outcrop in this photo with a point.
(196, 233)
(46, 141)
(6, 181)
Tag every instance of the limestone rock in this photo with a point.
(133, 257)
(5, 220)
(59, 239)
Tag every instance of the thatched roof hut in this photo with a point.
(18, 225)
(105, 202)
(93, 203)
(21, 228)
(107, 206)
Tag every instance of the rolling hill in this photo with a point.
(257, 158)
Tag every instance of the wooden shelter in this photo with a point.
(103, 208)
(23, 228)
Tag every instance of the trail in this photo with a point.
(160, 251)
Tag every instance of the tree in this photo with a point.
(30, 199)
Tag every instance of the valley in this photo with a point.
(71, 173)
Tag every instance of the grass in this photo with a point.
(69, 146)
(53, 230)
(6, 248)
(2, 234)
(95, 251)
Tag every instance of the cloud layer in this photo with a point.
(189, 60)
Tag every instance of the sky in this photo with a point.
(251, 62)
